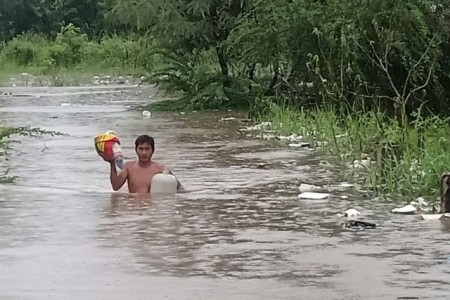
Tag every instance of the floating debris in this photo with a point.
(260, 126)
(431, 217)
(290, 138)
(435, 216)
(407, 209)
(311, 195)
(228, 119)
(96, 80)
(360, 163)
(300, 145)
(304, 187)
(342, 187)
(419, 202)
(346, 185)
(267, 136)
(146, 114)
(359, 224)
(120, 80)
(351, 213)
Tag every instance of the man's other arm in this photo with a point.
(180, 187)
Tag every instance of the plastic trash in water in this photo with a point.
(359, 224)
(146, 114)
(351, 213)
(304, 187)
(164, 183)
(431, 217)
(312, 195)
(117, 155)
(407, 209)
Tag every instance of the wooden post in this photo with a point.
(445, 193)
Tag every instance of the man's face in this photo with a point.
(144, 152)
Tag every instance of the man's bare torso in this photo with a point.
(140, 177)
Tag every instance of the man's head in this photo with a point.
(145, 147)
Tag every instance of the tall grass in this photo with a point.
(405, 162)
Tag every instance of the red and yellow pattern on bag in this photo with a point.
(104, 144)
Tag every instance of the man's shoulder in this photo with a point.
(157, 164)
(129, 164)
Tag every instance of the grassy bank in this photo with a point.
(390, 160)
(71, 55)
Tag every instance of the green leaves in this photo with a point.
(368, 53)
(200, 8)
(44, 16)
(6, 132)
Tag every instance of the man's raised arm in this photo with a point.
(117, 180)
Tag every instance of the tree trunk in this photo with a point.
(274, 78)
(400, 112)
(251, 74)
(273, 81)
(251, 71)
(223, 66)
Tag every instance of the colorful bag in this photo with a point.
(107, 146)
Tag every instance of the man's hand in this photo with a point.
(102, 155)
(161, 168)
(180, 187)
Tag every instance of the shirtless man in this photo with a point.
(138, 174)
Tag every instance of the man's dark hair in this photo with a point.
(145, 139)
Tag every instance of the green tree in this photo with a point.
(47, 16)
(186, 28)
(378, 53)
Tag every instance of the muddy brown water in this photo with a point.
(240, 232)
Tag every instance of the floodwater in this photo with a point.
(240, 232)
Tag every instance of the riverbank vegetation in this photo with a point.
(377, 152)
(368, 78)
(6, 133)
(72, 55)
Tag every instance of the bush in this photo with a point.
(68, 47)
(24, 50)
(71, 49)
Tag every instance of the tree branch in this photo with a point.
(423, 85)
(416, 65)
(384, 67)
(368, 96)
